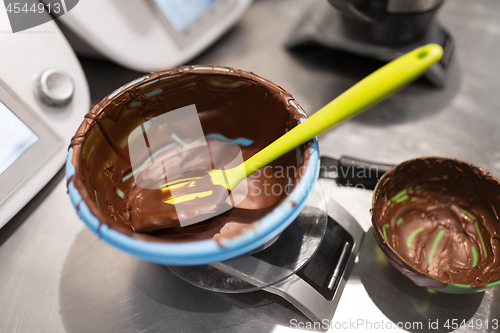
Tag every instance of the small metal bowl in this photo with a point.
(436, 220)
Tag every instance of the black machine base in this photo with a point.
(322, 25)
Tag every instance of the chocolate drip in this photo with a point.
(76, 140)
(116, 147)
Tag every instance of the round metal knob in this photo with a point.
(54, 87)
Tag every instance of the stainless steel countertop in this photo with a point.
(56, 276)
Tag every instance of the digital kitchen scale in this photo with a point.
(308, 264)
(43, 98)
(149, 35)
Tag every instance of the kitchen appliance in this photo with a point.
(378, 29)
(43, 96)
(148, 35)
(308, 264)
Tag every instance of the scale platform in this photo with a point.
(308, 264)
(322, 25)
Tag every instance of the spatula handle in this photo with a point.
(361, 96)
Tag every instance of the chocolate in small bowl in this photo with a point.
(437, 220)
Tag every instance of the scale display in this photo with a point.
(181, 13)
(15, 137)
(26, 147)
(324, 270)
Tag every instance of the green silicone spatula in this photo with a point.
(360, 97)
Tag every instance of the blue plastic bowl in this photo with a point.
(205, 251)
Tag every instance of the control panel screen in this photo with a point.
(324, 270)
(181, 13)
(15, 137)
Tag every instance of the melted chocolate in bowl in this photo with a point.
(440, 218)
(232, 105)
